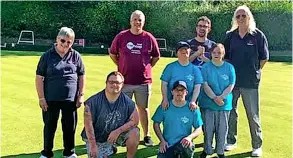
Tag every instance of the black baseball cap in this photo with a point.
(182, 45)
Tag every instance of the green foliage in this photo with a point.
(100, 21)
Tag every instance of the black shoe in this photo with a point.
(148, 141)
(114, 148)
(203, 155)
(221, 156)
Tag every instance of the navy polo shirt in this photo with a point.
(208, 45)
(245, 55)
(60, 74)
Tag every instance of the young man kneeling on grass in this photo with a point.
(178, 121)
(110, 119)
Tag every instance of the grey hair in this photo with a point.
(251, 25)
(137, 12)
(66, 32)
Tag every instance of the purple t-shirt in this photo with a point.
(135, 52)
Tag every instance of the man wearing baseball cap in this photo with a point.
(182, 70)
(177, 121)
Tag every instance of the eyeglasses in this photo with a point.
(114, 82)
(203, 26)
(243, 16)
(63, 41)
(179, 89)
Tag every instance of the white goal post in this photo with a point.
(32, 41)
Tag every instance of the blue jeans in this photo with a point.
(250, 98)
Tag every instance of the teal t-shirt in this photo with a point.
(177, 121)
(189, 73)
(218, 78)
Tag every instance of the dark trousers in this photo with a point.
(177, 151)
(68, 120)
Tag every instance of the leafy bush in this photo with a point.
(100, 21)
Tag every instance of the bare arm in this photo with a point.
(194, 56)
(164, 88)
(40, 90)
(262, 63)
(227, 91)
(81, 84)
(208, 90)
(133, 122)
(154, 60)
(196, 91)
(195, 133)
(88, 125)
(158, 131)
(114, 58)
(40, 86)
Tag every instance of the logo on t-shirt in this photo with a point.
(184, 119)
(135, 49)
(200, 62)
(190, 77)
(224, 77)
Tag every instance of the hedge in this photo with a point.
(99, 22)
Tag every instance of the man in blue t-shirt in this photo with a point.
(200, 45)
(177, 121)
(110, 119)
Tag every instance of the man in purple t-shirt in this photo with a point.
(135, 52)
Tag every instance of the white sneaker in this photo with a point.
(229, 147)
(256, 152)
(71, 156)
(42, 156)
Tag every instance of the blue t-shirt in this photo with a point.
(218, 78)
(177, 121)
(208, 45)
(108, 116)
(175, 71)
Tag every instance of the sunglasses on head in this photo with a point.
(243, 16)
(63, 41)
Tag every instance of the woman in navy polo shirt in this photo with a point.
(60, 84)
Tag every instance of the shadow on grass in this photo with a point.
(240, 155)
(30, 53)
(141, 153)
(79, 149)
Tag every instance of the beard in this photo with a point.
(201, 34)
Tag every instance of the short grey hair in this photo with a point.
(137, 12)
(66, 32)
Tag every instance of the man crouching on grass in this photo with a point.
(110, 119)
(178, 121)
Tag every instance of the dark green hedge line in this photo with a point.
(99, 22)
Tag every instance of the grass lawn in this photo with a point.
(22, 126)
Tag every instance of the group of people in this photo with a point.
(200, 91)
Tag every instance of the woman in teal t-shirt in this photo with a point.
(216, 100)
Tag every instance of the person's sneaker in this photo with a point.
(221, 156)
(148, 141)
(203, 155)
(229, 147)
(71, 156)
(256, 152)
(42, 156)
